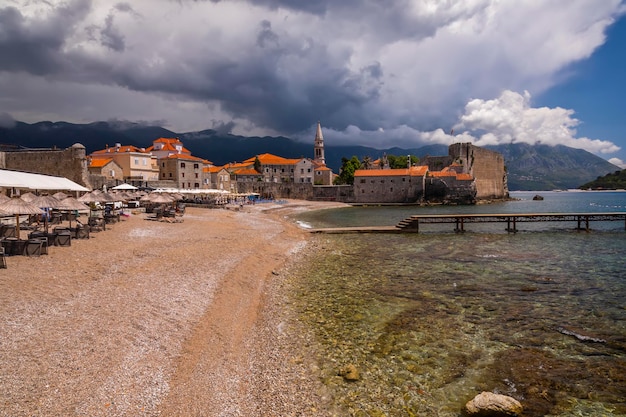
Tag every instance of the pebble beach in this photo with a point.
(161, 319)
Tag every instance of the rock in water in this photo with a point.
(350, 373)
(488, 404)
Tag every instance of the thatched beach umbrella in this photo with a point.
(72, 204)
(4, 198)
(47, 202)
(60, 195)
(161, 198)
(18, 207)
(29, 197)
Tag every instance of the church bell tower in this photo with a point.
(319, 146)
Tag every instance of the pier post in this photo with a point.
(508, 224)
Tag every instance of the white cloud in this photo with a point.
(618, 162)
(510, 119)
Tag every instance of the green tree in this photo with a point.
(257, 164)
(346, 173)
(396, 162)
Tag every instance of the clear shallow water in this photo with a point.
(430, 320)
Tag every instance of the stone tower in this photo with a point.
(319, 146)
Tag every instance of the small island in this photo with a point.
(612, 181)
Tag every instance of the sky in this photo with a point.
(404, 73)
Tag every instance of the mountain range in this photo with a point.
(529, 167)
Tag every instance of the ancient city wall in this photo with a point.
(486, 166)
(388, 189)
(70, 163)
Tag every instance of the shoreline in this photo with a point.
(151, 318)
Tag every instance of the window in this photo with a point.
(145, 162)
(196, 185)
(282, 170)
(136, 161)
(196, 175)
(182, 165)
(301, 170)
(163, 164)
(308, 170)
(195, 166)
(391, 190)
(362, 181)
(182, 174)
(170, 175)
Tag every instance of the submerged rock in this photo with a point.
(350, 373)
(488, 404)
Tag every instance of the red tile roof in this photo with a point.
(246, 171)
(187, 158)
(417, 171)
(99, 162)
(120, 149)
(269, 159)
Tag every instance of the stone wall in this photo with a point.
(450, 191)
(70, 163)
(388, 189)
(299, 191)
(486, 166)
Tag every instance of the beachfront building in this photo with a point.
(404, 185)
(217, 178)
(107, 168)
(164, 147)
(412, 185)
(138, 165)
(186, 171)
(247, 175)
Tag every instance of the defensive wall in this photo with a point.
(486, 166)
(70, 163)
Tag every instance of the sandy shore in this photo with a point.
(151, 318)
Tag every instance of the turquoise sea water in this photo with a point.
(432, 319)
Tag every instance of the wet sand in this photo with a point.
(150, 318)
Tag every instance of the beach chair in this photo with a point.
(81, 232)
(33, 247)
(64, 237)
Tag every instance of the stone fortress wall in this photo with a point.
(486, 166)
(70, 163)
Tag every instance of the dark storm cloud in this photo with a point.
(395, 68)
(111, 37)
(35, 45)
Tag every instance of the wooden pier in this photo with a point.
(412, 224)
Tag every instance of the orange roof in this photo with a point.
(213, 169)
(246, 171)
(381, 172)
(442, 174)
(238, 165)
(167, 140)
(187, 158)
(99, 162)
(322, 168)
(417, 171)
(121, 149)
(269, 159)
